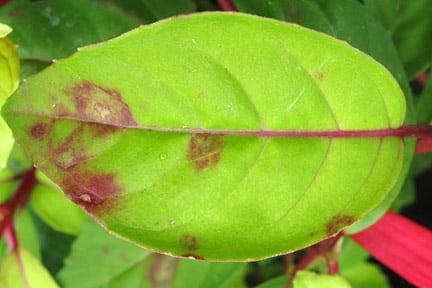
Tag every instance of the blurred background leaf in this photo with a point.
(126, 265)
(410, 23)
(20, 269)
(50, 29)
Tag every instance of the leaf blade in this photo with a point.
(185, 217)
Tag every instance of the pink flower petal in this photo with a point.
(402, 245)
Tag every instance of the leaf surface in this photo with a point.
(9, 75)
(165, 134)
(125, 265)
(410, 23)
(50, 204)
(306, 279)
(49, 29)
(19, 269)
(349, 21)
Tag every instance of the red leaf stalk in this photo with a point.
(18, 200)
(226, 5)
(4, 2)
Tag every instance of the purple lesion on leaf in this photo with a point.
(94, 192)
(40, 130)
(162, 271)
(189, 242)
(338, 222)
(99, 104)
(74, 149)
(205, 150)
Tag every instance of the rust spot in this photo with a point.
(102, 130)
(90, 190)
(189, 242)
(338, 222)
(97, 103)
(205, 150)
(318, 75)
(39, 130)
(162, 271)
(193, 256)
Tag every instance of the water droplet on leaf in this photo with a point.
(163, 156)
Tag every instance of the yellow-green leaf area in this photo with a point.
(9, 75)
(19, 269)
(164, 134)
(306, 279)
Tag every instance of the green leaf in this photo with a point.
(278, 282)
(6, 144)
(136, 8)
(138, 131)
(366, 275)
(9, 75)
(7, 185)
(121, 264)
(20, 269)
(352, 254)
(152, 10)
(97, 258)
(50, 29)
(164, 9)
(51, 205)
(54, 246)
(11, 6)
(350, 21)
(306, 279)
(355, 268)
(424, 104)
(410, 23)
(30, 67)
(406, 197)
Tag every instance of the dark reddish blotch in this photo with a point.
(40, 130)
(338, 222)
(99, 104)
(205, 150)
(95, 192)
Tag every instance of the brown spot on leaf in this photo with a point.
(338, 222)
(162, 271)
(39, 130)
(205, 150)
(193, 256)
(90, 190)
(97, 103)
(189, 242)
(103, 130)
(318, 75)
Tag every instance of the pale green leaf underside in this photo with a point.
(19, 269)
(305, 279)
(9, 77)
(217, 197)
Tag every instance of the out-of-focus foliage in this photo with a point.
(9, 77)
(410, 23)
